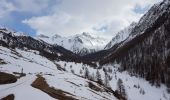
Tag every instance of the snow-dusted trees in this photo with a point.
(86, 73)
(93, 76)
(81, 72)
(121, 88)
(98, 77)
(106, 80)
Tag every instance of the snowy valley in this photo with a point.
(134, 65)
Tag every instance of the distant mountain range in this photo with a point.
(82, 44)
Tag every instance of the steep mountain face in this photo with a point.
(80, 44)
(146, 52)
(121, 36)
(11, 40)
(112, 45)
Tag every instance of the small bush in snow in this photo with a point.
(71, 66)
(142, 91)
(72, 71)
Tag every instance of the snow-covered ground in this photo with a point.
(33, 64)
(135, 86)
(70, 80)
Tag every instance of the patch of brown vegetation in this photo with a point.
(9, 97)
(41, 84)
(6, 78)
(105, 89)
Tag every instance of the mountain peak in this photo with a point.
(121, 36)
(80, 43)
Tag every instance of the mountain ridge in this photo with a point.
(81, 44)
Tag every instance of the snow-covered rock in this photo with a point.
(12, 32)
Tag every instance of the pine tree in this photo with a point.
(106, 80)
(92, 77)
(98, 77)
(81, 72)
(86, 73)
(121, 88)
(65, 65)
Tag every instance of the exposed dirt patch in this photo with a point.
(6, 78)
(41, 84)
(9, 97)
(101, 88)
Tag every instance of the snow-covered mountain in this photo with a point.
(80, 44)
(47, 72)
(12, 32)
(137, 63)
(121, 36)
(38, 77)
(146, 51)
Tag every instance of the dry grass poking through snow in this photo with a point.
(41, 84)
(6, 78)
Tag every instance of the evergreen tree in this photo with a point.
(106, 80)
(98, 77)
(92, 77)
(121, 88)
(81, 72)
(86, 73)
(65, 65)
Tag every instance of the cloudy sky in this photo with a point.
(69, 17)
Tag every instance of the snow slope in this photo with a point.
(134, 86)
(81, 43)
(32, 64)
(71, 80)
